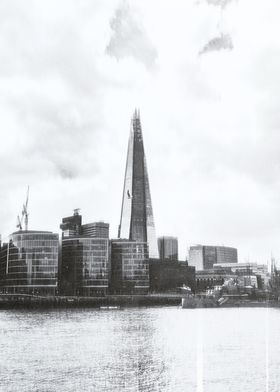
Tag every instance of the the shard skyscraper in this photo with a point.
(137, 220)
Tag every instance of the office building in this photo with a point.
(71, 225)
(225, 254)
(96, 230)
(169, 275)
(137, 220)
(129, 267)
(29, 263)
(203, 257)
(168, 248)
(85, 266)
(85, 261)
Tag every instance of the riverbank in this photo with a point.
(118, 301)
(37, 302)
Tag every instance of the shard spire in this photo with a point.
(137, 220)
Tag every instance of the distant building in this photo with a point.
(169, 275)
(225, 254)
(85, 266)
(96, 230)
(71, 225)
(260, 271)
(208, 279)
(250, 281)
(168, 248)
(203, 257)
(129, 267)
(137, 219)
(245, 274)
(29, 263)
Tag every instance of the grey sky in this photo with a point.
(71, 74)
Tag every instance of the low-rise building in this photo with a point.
(208, 279)
(260, 271)
(168, 275)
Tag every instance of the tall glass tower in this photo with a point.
(137, 220)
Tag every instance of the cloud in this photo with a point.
(129, 38)
(222, 42)
(66, 173)
(221, 3)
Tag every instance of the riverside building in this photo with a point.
(29, 263)
(260, 271)
(85, 266)
(130, 267)
(85, 259)
(168, 275)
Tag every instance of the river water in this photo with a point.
(141, 349)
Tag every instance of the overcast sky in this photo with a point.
(205, 75)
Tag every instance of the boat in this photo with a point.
(196, 301)
(110, 308)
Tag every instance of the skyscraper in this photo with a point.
(168, 248)
(137, 220)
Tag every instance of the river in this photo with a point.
(141, 349)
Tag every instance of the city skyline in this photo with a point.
(206, 90)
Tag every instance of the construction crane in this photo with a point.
(24, 214)
(19, 222)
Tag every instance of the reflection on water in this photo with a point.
(153, 349)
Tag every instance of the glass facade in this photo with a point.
(29, 263)
(130, 267)
(226, 254)
(209, 256)
(85, 266)
(96, 229)
(137, 219)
